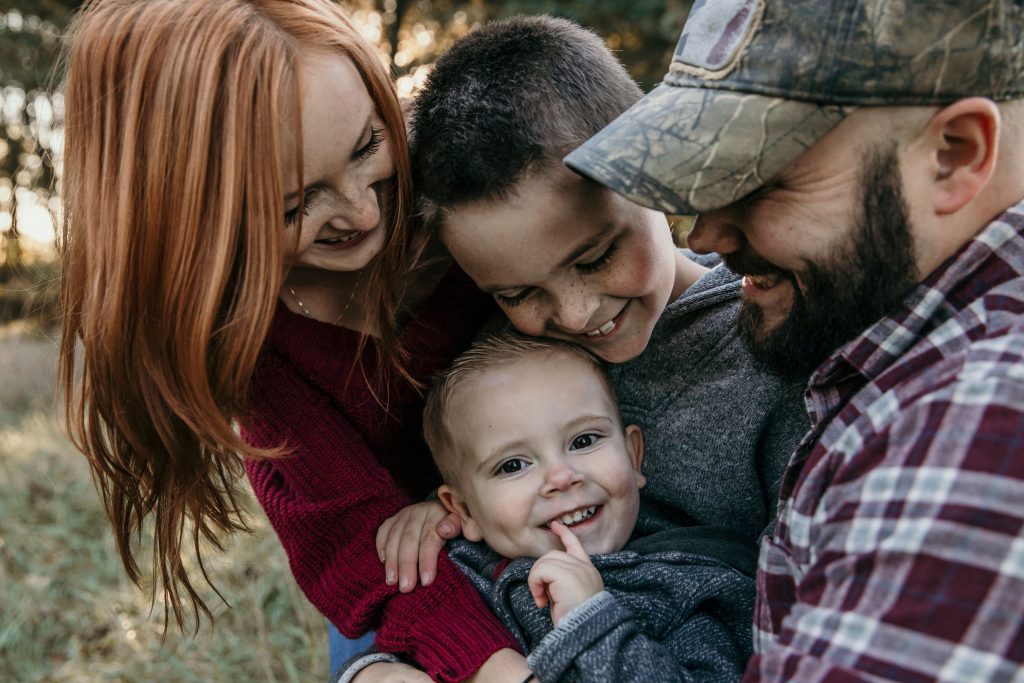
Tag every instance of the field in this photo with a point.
(67, 611)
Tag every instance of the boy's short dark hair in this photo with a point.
(488, 353)
(511, 97)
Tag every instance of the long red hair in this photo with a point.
(173, 248)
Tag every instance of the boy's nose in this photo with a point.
(715, 231)
(561, 477)
(572, 313)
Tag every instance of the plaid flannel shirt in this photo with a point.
(898, 552)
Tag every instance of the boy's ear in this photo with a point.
(635, 449)
(962, 140)
(454, 502)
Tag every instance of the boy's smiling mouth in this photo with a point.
(608, 327)
(574, 517)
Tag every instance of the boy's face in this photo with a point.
(541, 440)
(567, 258)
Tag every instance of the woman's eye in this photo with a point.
(583, 441)
(600, 262)
(371, 147)
(511, 466)
(292, 216)
(514, 300)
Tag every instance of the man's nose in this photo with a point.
(715, 231)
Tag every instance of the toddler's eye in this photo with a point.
(511, 466)
(583, 441)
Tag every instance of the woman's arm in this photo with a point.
(326, 501)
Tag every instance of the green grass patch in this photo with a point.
(67, 610)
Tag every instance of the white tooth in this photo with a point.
(577, 516)
(591, 510)
(607, 327)
(567, 519)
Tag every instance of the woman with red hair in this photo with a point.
(238, 252)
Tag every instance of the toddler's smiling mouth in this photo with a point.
(578, 516)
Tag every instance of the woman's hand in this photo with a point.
(412, 539)
(504, 666)
(565, 579)
(391, 672)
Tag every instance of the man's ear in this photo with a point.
(453, 501)
(635, 449)
(962, 141)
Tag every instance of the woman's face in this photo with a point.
(346, 168)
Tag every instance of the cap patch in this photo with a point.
(715, 36)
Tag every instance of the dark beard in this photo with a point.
(861, 283)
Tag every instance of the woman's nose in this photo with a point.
(361, 209)
(715, 231)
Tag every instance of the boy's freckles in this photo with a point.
(569, 259)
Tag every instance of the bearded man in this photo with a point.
(860, 163)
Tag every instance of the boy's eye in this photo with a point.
(583, 441)
(371, 147)
(514, 300)
(511, 466)
(600, 262)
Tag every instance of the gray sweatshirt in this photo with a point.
(718, 427)
(677, 606)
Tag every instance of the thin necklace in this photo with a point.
(305, 311)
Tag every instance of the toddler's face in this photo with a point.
(567, 258)
(541, 440)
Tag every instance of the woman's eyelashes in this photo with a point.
(372, 145)
(291, 217)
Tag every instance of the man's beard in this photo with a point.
(863, 281)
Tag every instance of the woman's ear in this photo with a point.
(635, 449)
(453, 501)
(961, 142)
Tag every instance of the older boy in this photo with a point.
(538, 464)
(567, 258)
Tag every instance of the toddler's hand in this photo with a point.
(565, 579)
(411, 537)
(391, 672)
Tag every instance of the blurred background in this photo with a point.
(67, 612)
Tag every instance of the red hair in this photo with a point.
(173, 248)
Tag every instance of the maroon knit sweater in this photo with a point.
(353, 465)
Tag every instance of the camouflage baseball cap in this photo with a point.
(754, 83)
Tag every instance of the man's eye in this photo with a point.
(511, 466)
(583, 441)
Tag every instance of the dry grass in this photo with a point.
(67, 612)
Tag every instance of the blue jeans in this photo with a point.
(342, 649)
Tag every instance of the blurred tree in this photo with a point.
(30, 115)
(411, 33)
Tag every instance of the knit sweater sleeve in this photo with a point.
(326, 499)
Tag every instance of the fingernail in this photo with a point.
(445, 528)
(405, 583)
(425, 578)
(389, 577)
(381, 555)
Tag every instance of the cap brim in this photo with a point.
(687, 150)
